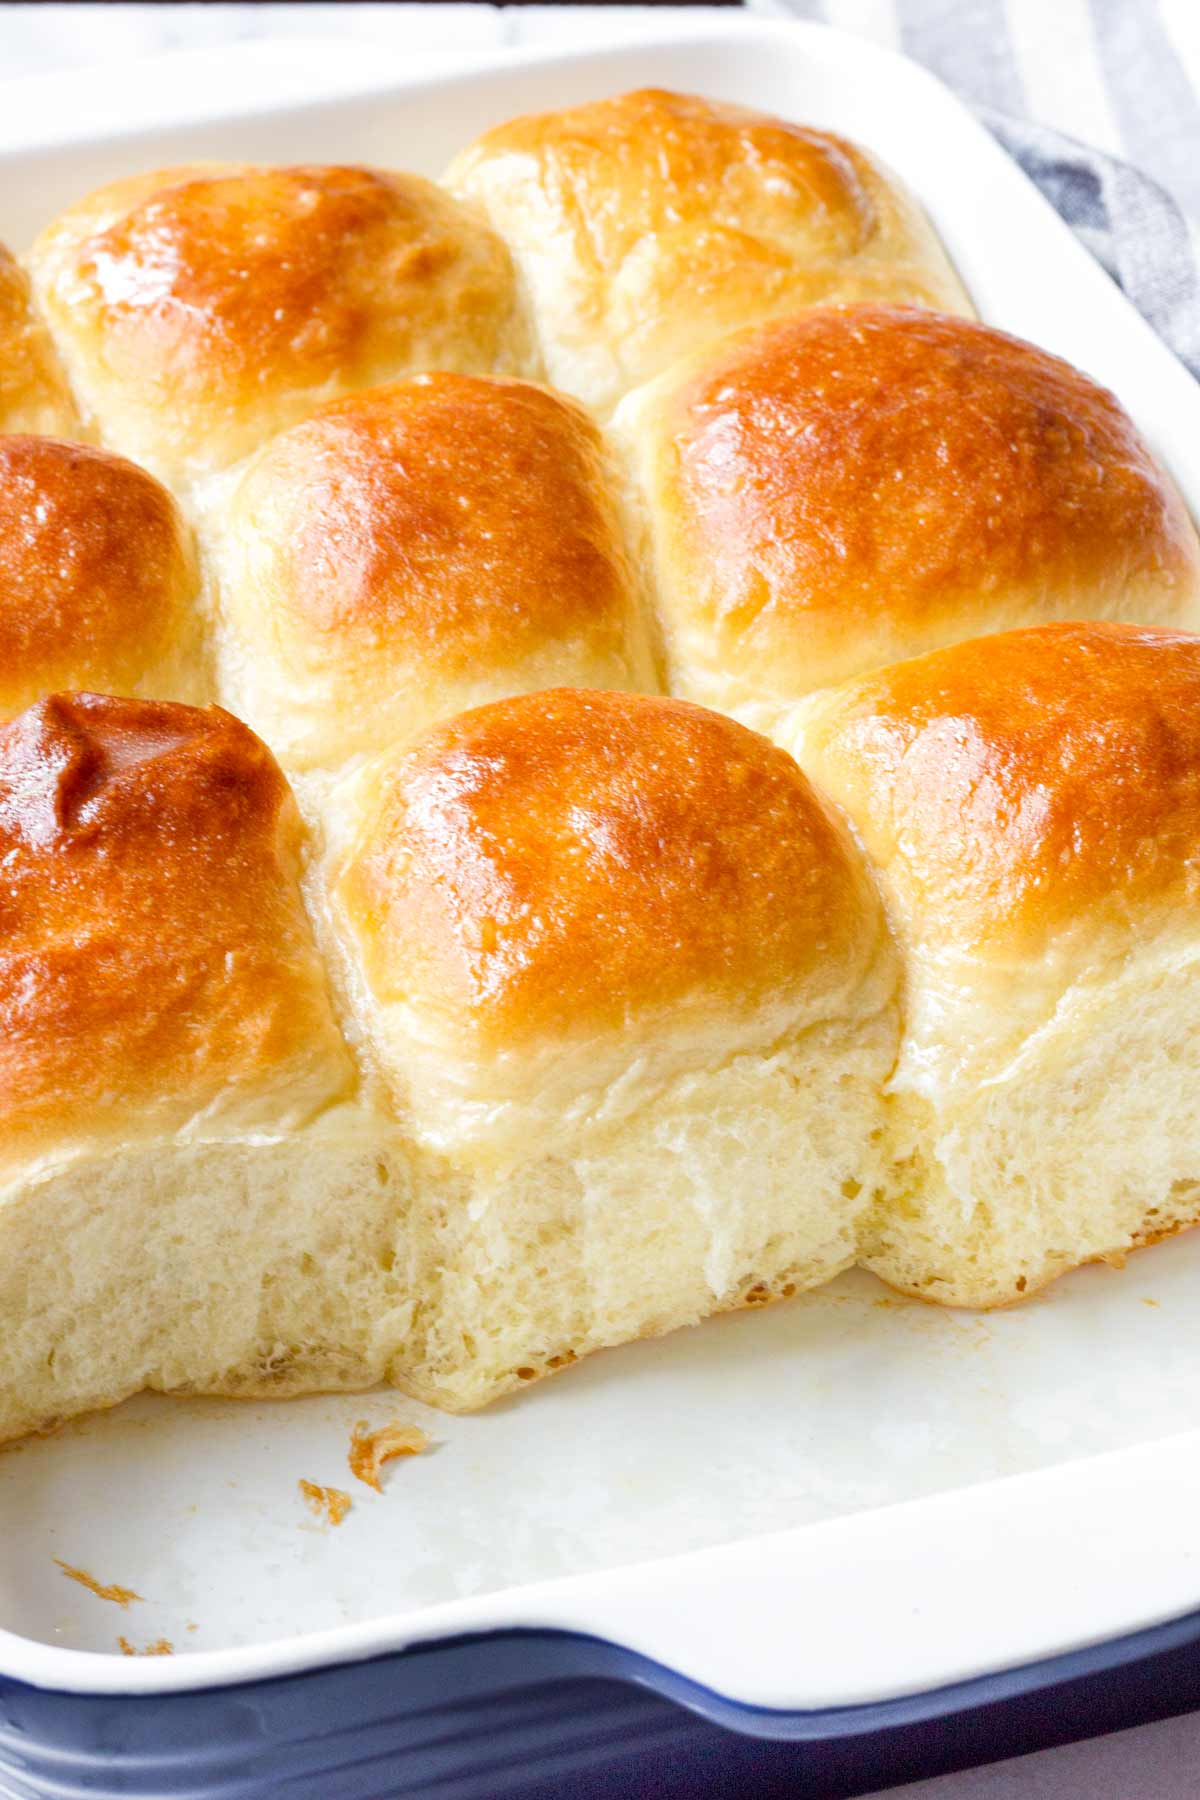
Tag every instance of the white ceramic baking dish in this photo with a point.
(846, 1499)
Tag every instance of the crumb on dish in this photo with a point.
(370, 1450)
(328, 1503)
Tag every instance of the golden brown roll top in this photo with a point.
(33, 390)
(1019, 787)
(567, 883)
(651, 223)
(416, 550)
(157, 971)
(201, 309)
(98, 582)
(1031, 802)
(854, 486)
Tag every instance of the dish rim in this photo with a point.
(649, 1609)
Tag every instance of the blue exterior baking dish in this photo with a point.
(547, 1716)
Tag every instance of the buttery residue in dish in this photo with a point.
(121, 1596)
(160, 1647)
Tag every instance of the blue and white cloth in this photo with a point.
(1098, 100)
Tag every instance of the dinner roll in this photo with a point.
(97, 577)
(632, 993)
(418, 549)
(201, 309)
(33, 392)
(1031, 803)
(157, 966)
(851, 486)
(187, 1200)
(649, 224)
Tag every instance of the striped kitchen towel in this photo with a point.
(1097, 100)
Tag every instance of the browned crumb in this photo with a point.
(121, 1596)
(1149, 1302)
(160, 1647)
(328, 1503)
(369, 1450)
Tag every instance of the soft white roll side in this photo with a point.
(1031, 802)
(249, 1268)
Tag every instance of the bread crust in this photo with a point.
(427, 544)
(856, 485)
(33, 390)
(157, 971)
(98, 577)
(203, 308)
(558, 862)
(1015, 786)
(653, 222)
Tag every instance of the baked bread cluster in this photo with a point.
(582, 746)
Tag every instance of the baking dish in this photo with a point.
(819, 1526)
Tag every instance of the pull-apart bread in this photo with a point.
(548, 1009)
(621, 999)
